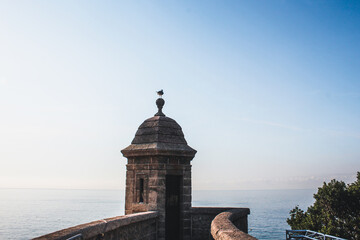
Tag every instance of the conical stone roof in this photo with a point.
(159, 135)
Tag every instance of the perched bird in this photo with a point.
(160, 93)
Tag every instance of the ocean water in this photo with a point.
(269, 209)
(27, 213)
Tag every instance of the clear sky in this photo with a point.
(268, 92)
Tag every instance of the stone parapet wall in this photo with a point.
(138, 226)
(201, 218)
(230, 225)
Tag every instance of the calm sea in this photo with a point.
(27, 213)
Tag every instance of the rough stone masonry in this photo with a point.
(158, 176)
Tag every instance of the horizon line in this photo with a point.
(119, 189)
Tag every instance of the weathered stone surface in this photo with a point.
(223, 228)
(201, 218)
(157, 150)
(138, 226)
(159, 135)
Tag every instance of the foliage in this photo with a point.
(336, 211)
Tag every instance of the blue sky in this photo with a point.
(268, 92)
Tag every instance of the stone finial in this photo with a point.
(160, 103)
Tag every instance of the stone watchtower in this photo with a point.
(158, 176)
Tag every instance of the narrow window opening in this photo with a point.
(141, 197)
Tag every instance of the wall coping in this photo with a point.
(222, 227)
(95, 228)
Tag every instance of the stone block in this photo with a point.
(186, 198)
(173, 161)
(157, 181)
(187, 174)
(153, 195)
(187, 190)
(130, 166)
(187, 182)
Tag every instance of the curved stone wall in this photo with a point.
(227, 225)
(138, 226)
(201, 218)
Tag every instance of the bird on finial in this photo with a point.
(160, 93)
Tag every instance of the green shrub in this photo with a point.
(336, 211)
